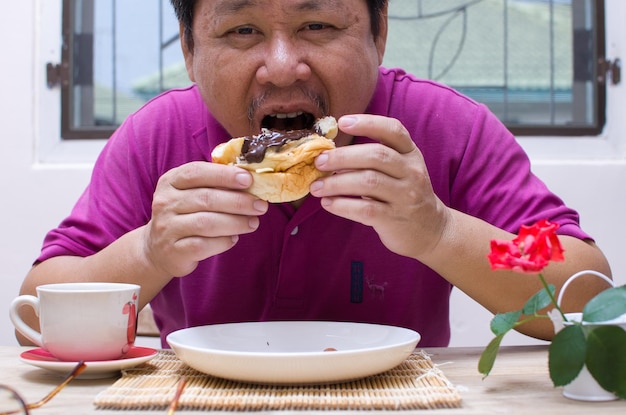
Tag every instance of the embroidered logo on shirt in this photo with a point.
(377, 290)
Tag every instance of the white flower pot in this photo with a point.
(584, 387)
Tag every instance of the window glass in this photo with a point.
(533, 62)
(122, 54)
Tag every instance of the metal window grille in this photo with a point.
(538, 64)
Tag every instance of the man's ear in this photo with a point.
(381, 39)
(186, 44)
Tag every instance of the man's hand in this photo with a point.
(198, 211)
(393, 191)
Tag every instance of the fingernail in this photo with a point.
(253, 222)
(315, 186)
(243, 179)
(321, 160)
(347, 121)
(260, 206)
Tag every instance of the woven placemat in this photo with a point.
(415, 384)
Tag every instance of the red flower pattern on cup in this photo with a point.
(533, 248)
(130, 308)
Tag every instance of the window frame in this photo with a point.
(67, 53)
(595, 70)
(63, 75)
(593, 67)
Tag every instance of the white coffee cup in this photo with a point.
(88, 321)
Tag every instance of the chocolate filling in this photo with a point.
(255, 147)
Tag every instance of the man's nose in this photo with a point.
(283, 64)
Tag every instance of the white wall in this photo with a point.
(40, 177)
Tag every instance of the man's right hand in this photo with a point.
(199, 210)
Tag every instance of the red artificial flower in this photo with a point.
(531, 250)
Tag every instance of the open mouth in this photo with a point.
(286, 122)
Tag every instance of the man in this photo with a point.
(423, 179)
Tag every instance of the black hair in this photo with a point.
(184, 13)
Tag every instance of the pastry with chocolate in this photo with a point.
(281, 162)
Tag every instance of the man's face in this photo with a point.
(283, 63)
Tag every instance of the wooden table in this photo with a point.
(518, 384)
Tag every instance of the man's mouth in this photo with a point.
(286, 122)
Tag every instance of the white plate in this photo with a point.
(293, 352)
(94, 370)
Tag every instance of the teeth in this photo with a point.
(289, 115)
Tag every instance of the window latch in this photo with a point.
(609, 69)
(56, 75)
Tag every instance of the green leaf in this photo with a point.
(606, 358)
(607, 305)
(567, 355)
(503, 322)
(538, 301)
(488, 357)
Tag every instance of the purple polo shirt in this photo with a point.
(308, 264)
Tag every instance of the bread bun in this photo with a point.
(286, 171)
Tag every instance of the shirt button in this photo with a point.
(294, 231)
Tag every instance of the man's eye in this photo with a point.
(244, 31)
(316, 26)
